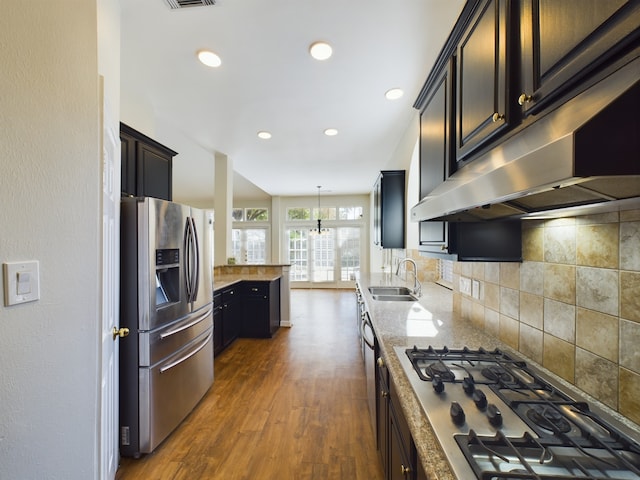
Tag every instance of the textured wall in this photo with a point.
(49, 197)
(573, 305)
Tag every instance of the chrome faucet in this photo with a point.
(417, 286)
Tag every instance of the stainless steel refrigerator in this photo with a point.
(166, 301)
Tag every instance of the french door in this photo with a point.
(330, 258)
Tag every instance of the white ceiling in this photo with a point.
(268, 81)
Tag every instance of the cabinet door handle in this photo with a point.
(496, 117)
(405, 470)
(524, 98)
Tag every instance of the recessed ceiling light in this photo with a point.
(209, 58)
(264, 135)
(394, 94)
(320, 50)
(330, 132)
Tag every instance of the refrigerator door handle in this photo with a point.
(192, 259)
(195, 279)
(187, 356)
(187, 258)
(188, 325)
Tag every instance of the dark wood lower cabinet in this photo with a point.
(245, 309)
(231, 315)
(261, 308)
(217, 324)
(382, 412)
(395, 443)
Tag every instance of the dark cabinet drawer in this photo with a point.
(230, 295)
(256, 288)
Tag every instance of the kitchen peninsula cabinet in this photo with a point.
(261, 308)
(389, 209)
(146, 165)
(556, 57)
(217, 323)
(231, 314)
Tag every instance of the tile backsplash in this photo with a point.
(572, 305)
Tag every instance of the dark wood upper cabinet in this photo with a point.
(389, 209)
(564, 42)
(482, 72)
(146, 165)
(516, 60)
(435, 132)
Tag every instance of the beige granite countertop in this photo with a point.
(430, 321)
(427, 322)
(223, 281)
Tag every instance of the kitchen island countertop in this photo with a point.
(223, 281)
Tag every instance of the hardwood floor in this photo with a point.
(290, 407)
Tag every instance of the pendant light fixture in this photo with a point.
(319, 229)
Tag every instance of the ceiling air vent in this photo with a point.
(189, 3)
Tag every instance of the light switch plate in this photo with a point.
(21, 282)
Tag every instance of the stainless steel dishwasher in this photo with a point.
(369, 351)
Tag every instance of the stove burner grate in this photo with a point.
(497, 373)
(548, 418)
(501, 457)
(440, 370)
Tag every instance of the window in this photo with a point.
(330, 258)
(349, 253)
(298, 254)
(350, 213)
(237, 214)
(249, 245)
(325, 213)
(250, 214)
(298, 214)
(256, 215)
(323, 251)
(249, 236)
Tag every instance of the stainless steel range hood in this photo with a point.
(582, 157)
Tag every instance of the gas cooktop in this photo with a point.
(497, 418)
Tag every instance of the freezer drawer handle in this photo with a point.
(188, 325)
(188, 356)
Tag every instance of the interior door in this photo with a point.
(108, 440)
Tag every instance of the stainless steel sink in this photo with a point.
(395, 298)
(389, 291)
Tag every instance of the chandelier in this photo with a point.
(319, 228)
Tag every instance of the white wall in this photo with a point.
(405, 157)
(50, 211)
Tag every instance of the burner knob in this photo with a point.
(457, 413)
(495, 417)
(438, 384)
(468, 385)
(480, 399)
